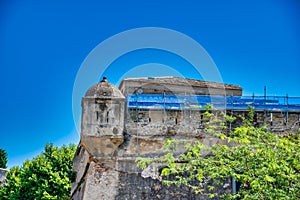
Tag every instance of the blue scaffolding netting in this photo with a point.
(179, 102)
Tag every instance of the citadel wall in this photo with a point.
(115, 134)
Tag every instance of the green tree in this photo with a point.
(267, 164)
(47, 176)
(3, 159)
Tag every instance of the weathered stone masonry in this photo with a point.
(114, 135)
(2, 176)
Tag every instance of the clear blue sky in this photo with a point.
(42, 45)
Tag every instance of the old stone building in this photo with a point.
(2, 176)
(119, 125)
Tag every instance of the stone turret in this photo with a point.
(102, 129)
(102, 119)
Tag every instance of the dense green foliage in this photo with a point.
(46, 176)
(267, 164)
(3, 159)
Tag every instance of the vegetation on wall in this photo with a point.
(3, 158)
(267, 165)
(47, 176)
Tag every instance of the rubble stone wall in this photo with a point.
(113, 136)
(116, 176)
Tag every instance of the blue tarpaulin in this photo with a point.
(165, 101)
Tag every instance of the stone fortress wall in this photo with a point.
(2, 176)
(114, 133)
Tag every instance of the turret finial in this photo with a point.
(104, 79)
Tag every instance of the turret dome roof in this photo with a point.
(104, 89)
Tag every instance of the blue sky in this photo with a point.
(43, 44)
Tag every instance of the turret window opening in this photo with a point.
(107, 116)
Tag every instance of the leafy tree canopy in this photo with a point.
(47, 176)
(267, 164)
(3, 158)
